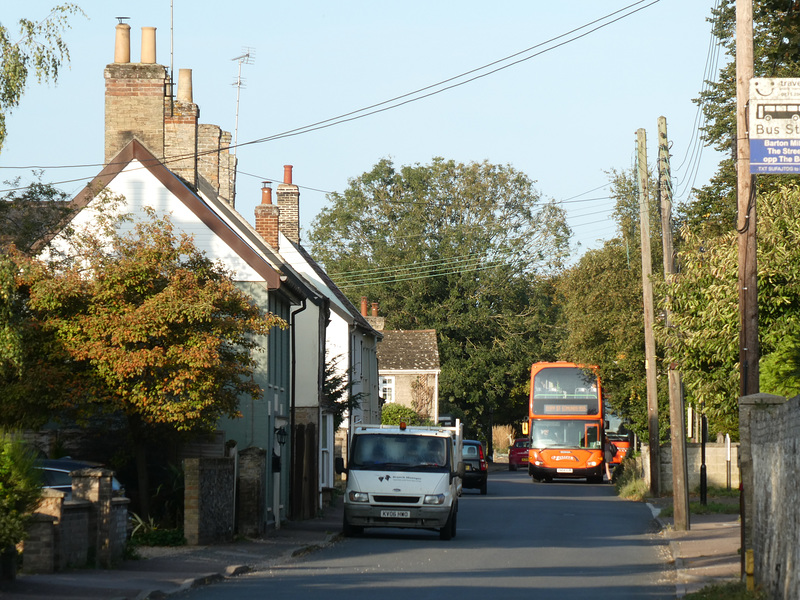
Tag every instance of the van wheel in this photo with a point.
(349, 530)
(512, 467)
(484, 488)
(448, 532)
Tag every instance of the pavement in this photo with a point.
(704, 555)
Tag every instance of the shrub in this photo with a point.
(393, 414)
(20, 489)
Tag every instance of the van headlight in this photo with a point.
(359, 497)
(433, 499)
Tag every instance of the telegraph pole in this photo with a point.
(746, 226)
(677, 425)
(647, 293)
(749, 349)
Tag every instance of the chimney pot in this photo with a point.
(185, 93)
(363, 306)
(266, 193)
(148, 45)
(374, 309)
(122, 44)
(287, 173)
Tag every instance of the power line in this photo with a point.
(368, 110)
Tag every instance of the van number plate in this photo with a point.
(396, 514)
(563, 470)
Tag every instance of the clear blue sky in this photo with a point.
(563, 117)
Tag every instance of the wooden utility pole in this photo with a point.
(647, 293)
(677, 425)
(749, 349)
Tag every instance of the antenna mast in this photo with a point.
(247, 58)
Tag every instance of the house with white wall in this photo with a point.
(159, 157)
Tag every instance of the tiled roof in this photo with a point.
(403, 350)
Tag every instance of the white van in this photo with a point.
(399, 476)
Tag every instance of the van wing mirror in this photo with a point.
(338, 465)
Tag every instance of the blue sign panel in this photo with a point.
(780, 156)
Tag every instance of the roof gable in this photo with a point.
(135, 151)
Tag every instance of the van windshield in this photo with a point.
(400, 452)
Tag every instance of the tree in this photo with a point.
(20, 489)
(602, 314)
(39, 48)
(149, 328)
(466, 249)
(705, 318)
(776, 45)
(28, 214)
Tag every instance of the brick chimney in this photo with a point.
(268, 217)
(139, 105)
(180, 131)
(376, 322)
(289, 202)
(135, 97)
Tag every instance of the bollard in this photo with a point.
(748, 569)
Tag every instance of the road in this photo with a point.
(562, 540)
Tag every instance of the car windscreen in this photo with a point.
(400, 452)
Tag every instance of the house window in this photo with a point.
(387, 388)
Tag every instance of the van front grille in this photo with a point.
(397, 499)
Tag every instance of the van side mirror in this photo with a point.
(460, 470)
(338, 465)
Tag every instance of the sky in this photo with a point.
(563, 107)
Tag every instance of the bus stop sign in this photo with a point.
(774, 125)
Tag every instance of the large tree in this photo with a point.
(141, 325)
(776, 46)
(35, 49)
(466, 249)
(602, 314)
(705, 318)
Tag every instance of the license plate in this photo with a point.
(563, 470)
(395, 514)
(468, 467)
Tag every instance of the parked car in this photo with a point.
(518, 454)
(56, 474)
(476, 471)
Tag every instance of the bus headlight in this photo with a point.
(359, 497)
(592, 463)
(433, 499)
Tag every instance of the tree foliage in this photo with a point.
(29, 213)
(150, 326)
(39, 50)
(466, 249)
(20, 489)
(394, 414)
(704, 308)
(602, 314)
(776, 37)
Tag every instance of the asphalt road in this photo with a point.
(562, 540)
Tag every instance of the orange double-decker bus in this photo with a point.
(565, 422)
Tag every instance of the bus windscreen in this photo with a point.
(565, 391)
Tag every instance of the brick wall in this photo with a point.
(208, 500)
(716, 466)
(66, 533)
